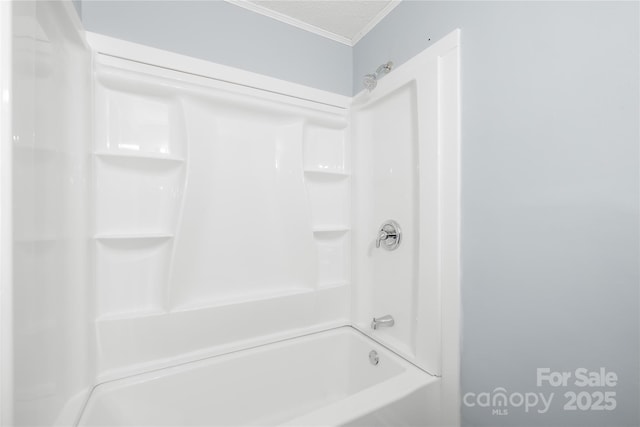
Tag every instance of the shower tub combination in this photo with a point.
(229, 226)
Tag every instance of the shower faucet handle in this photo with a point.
(382, 235)
(389, 235)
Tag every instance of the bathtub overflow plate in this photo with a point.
(373, 357)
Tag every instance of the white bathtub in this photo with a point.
(319, 379)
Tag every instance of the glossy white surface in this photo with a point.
(214, 204)
(320, 379)
(208, 217)
(53, 342)
(391, 139)
(406, 168)
(325, 150)
(6, 239)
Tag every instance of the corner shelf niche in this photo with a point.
(137, 194)
(333, 256)
(137, 201)
(131, 274)
(327, 179)
(325, 150)
(137, 118)
(329, 200)
(140, 172)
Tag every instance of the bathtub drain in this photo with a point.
(373, 357)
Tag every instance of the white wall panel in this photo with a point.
(216, 205)
(53, 300)
(406, 148)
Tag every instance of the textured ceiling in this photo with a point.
(346, 19)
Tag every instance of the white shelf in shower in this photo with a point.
(137, 194)
(330, 229)
(325, 174)
(325, 150)
(131, 273)
(130, 236)
(138, 155)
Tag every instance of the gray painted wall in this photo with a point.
(77, 4)
(227, 34)
(550, 185)
(550, 171)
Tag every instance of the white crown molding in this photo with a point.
(289, 20)
(312, 28)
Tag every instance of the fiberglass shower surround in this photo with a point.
(208, 267)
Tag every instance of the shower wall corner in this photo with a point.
(53, 338)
